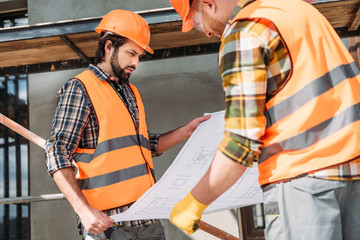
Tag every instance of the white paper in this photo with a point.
(184, 173)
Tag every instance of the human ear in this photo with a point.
(108, 47)
(210, 4)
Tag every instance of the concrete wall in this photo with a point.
(55, 10)
(174, 92)
(53, 219)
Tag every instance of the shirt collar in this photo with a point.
(99, 73)
(240, 5)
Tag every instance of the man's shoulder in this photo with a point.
(255, 27)
(260, 31)
(73, 81)
(76, 80)
(73, 85)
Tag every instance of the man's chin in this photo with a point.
(124, 79)
(125, 75)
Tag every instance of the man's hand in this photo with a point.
(187, 213)
(172, 138)
(93, 220)
(193, 124)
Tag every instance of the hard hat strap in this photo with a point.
(107, 33)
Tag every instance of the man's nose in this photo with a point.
(135, 61)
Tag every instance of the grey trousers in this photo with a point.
(312, 209)
(153, 232)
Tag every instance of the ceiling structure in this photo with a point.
(9, 6)
(72, 44)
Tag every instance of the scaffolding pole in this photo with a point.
(48, 197)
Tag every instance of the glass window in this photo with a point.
(259, 217)
(14, 158)
(14, 21)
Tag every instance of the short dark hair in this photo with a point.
(116, 40)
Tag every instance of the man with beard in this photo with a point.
(100, 130)
(292, 105)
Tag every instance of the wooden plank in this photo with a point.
(355, 20)
(179, 39)
(13, 6)
(86, 42)
(35, 51)
(161, 39)
(37, 43)
(71, 45)
(215, 231)
(163, 36)
(354, 48)
(22, 131)
(340, 13)
(54, 49)
(166, 27)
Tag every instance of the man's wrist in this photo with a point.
(193, 204)
(81, 207)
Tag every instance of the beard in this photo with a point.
(118, 71)
(217, 26)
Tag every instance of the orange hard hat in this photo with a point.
(182, 7)
(127, 24)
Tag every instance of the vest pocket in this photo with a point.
(315, 186)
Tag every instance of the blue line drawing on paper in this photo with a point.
(202, 156)
(179, 182)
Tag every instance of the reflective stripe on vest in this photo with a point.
(111, 145)
(113, 177)
(310, 91)
(120, 169)
(314, 134)
(313, 120)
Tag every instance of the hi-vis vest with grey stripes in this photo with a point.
(313, 120)
(119, 170)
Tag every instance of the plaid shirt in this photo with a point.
(75, 125)
(254, 64)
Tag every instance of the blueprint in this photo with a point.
(187, 169)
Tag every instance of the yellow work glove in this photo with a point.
(187, 213)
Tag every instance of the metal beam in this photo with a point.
(50, 29)
(74, 48)
(47, 30)
(30, 199)
(60, 28)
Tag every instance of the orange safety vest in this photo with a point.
(313, 120)
(120, 169)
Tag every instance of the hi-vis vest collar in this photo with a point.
(313, 120)
(120, 169)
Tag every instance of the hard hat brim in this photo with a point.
(145, 47)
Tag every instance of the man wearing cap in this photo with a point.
(292, 105)
(100, 130)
